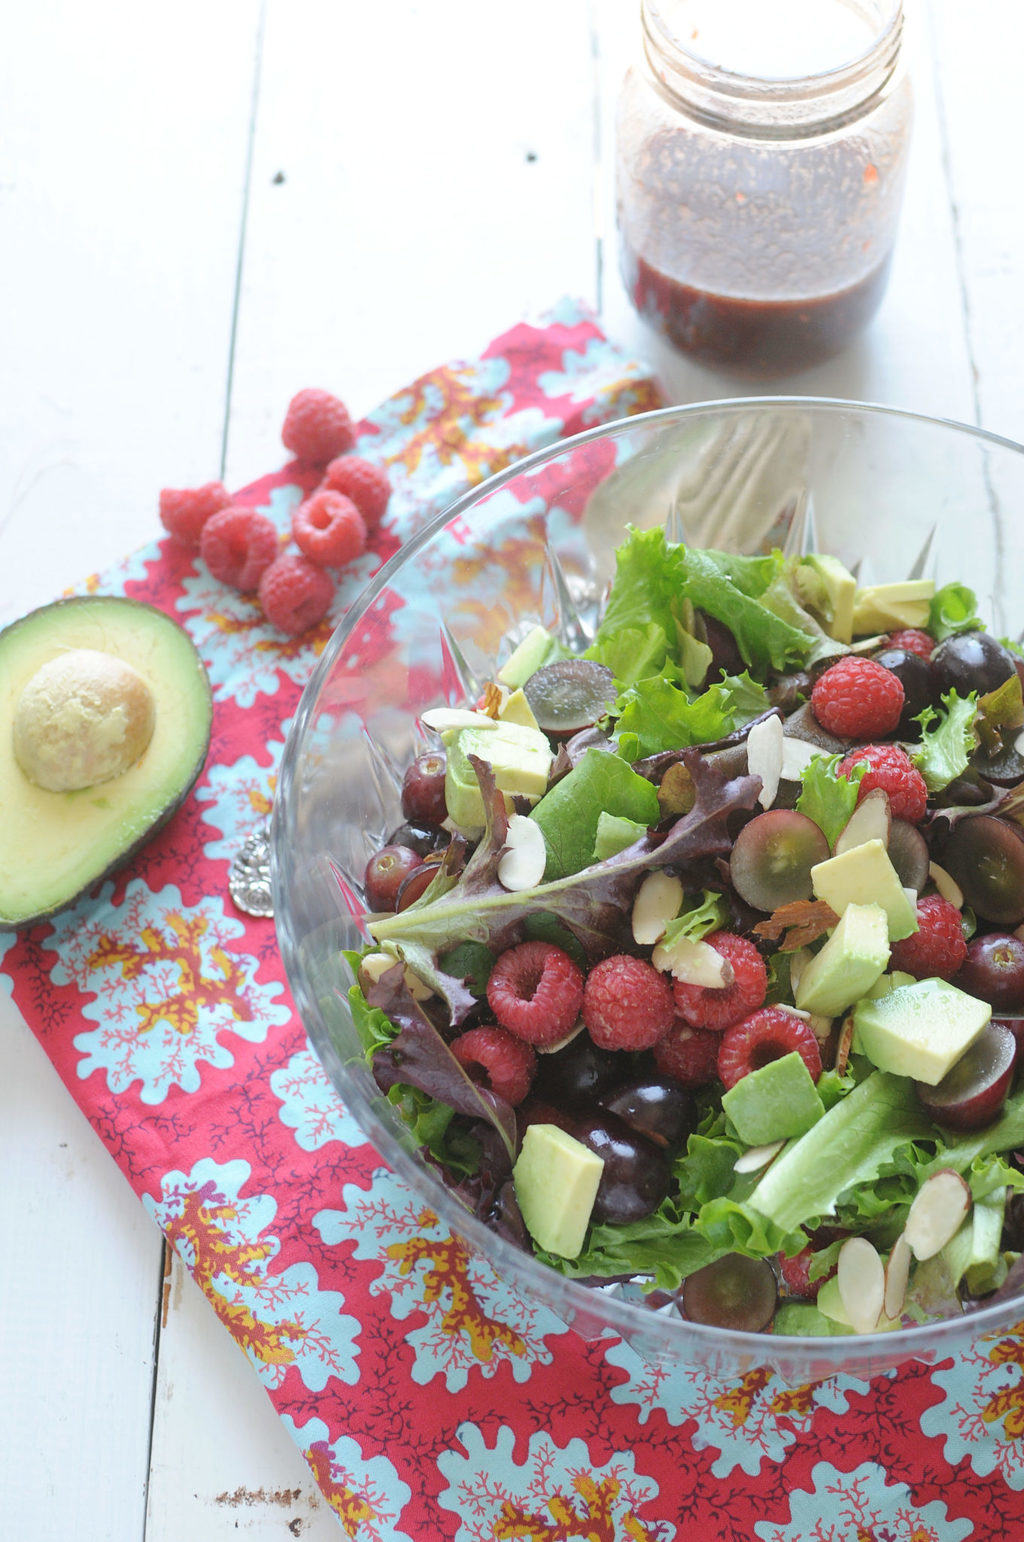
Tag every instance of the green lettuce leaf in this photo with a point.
(709, 914)
(660, 716)
(713, 581)
(954, 608)
(827, 798)
(633, 652)
(946, 748)
(569, 814)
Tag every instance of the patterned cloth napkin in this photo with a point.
(429, 1399)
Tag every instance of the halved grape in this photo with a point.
(986, 857)
(734, 1292)
(973, 1091)
(570, 694)
(908, 853)
(772, 858)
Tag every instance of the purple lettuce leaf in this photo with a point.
(594, 904)
(419, 1057)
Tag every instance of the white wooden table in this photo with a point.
(202, 209)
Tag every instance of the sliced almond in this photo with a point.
(868, 644)
(417, 989)
(897, 1274)
(940, 1208)
(525, 857)
(374, 966)
(820, 1026)
(765, 743)
(798, 961)
(946, 885)
(756, 1157)
(860, 1278)
(694, 963)
(657, 903)
(797, 755)
(441, 719)
(870, 821)
(844, 1044)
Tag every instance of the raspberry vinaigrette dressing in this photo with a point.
(761, 155)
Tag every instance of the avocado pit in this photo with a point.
(83, 718)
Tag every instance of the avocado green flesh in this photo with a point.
(56, 845)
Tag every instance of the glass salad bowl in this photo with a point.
(892, 495)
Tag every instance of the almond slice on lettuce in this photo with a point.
(940, 1207)
(860, 1277)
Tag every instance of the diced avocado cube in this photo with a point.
(516, 709)
(864, 875)
(849, 964)
(520, 758)
(883, 607)
(556, 1179)
(536, 649)
(918, 1030)
(839, 587)
(774, 1102)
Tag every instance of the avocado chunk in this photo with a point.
(536, 649)
(105, 715)
(556, 1179)
(520, 758)
(828, 590)
(516, 709)
(918, 1030)
(864, 875)
(885, 607)
(848, 965)
(775, 1102)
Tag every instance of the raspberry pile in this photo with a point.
(330, 528)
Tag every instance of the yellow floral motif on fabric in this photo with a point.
(180, 948)
(449, 1271)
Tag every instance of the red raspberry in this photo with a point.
(702, 1007)
(535, 991)
(329, 529)
(912, 640)
(764, 1036)
(938, 947)
(237, 544)
(294, 593)
(507, 1063)
(185, 510)
(366, 484)
(857, 699)
(890, 768)
(627, 1003)
(317, 427)
(688, 1055)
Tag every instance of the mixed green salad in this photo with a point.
(767, 831)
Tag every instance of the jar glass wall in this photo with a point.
(761, 154)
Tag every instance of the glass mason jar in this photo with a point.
(761, 151)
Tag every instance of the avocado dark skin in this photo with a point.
(57, 845)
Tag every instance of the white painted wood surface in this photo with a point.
(201, 211)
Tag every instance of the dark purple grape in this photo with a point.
(915, 675)
(423, 839)
(636, 1176)
(1013, 1224)
(576, 1076)
(734, 1292)
(994, 971)
(908, 853)
(986, 857)
(772, 858)
(973, 1091)
(655, 1107)
(414, 884)
(725, 654)
(423, 789)
(570, 694)
(971, 661)
(385, 874)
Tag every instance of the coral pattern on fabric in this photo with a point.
(432, 1402)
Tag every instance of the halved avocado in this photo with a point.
(56, 845)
